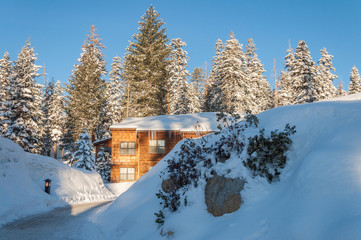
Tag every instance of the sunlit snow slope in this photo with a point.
(22, 183)
(317, 197)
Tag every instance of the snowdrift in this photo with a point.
(22, 178)
(318, 195)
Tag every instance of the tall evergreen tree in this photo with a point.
(84, 157)
(212, 96)
(304, 76)
(56, 117)
(117, 90)
(5, 73)
(22, 115)
(233, 76)
(355, 81)
(285, 91)
(258, 94)
(87, 86)
(46, 139)
(325, 77)
(179, 98)
(145, 66)
(198, 80)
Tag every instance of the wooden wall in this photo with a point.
(142, 161)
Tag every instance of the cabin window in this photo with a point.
(156, 146)
(127, 174)
(127, 148)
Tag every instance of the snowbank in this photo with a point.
(22, 184)
(318, 195)
(185, 122)
(119, 188)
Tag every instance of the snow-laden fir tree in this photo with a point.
(5, 73)
(112, 111)
(325, 88)
(145, 66)
(179, 98)
(56, 117)
(23, 115)
(46, 138)
(86, 88)
(198, 80)
(355, 81)
(84, 157)
(304, 78)
(285, 91)
(212, 96)
(67, 142)
(340, 90)
(117, 88)
(103, 164)
(257, 96)
(233, 76)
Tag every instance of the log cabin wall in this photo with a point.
(142, 160)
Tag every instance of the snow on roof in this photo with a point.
(206, 121)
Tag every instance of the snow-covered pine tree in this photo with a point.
(5, 73)
(340, 90)
(285, 91)
(179, 98)
(87, 86)
(233, 76)
(355, 81)
(46, 139)
(198, 80)
(103, 164)
(145, 66)
(117, 89)
(259, 93)
(325, 88)
(304, 78)
(212, 97)
(67, 142)
(56, 117)
(84, 157)
(23, 111)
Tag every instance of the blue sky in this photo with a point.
(57, 29)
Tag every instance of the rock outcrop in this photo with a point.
(223, 194)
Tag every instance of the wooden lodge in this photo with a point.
(137, 144)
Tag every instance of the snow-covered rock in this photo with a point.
(22, 178)
(318, 195)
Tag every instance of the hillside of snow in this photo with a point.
(22, 178)
(318, 195)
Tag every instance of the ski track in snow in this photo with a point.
(62, 223)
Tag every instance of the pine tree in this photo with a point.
(179, 98)
(285, 91)
(212, 97)
(86, 86)
(5, 73)
(325, 89)
(355, 81)
(145, 66)
(84, 157)
(23, 111)
(103, 164)
(46, 139)
(117, 90)
(258, 94)
(56, 117)
(198, 80)
(233, 76)
(303, 75)
(340, 90)
(67, 142)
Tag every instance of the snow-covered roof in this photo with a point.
(185, 122)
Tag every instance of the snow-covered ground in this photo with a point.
(318, 195)
(119, 188)
(22, 178)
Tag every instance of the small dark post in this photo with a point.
(47, 185)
